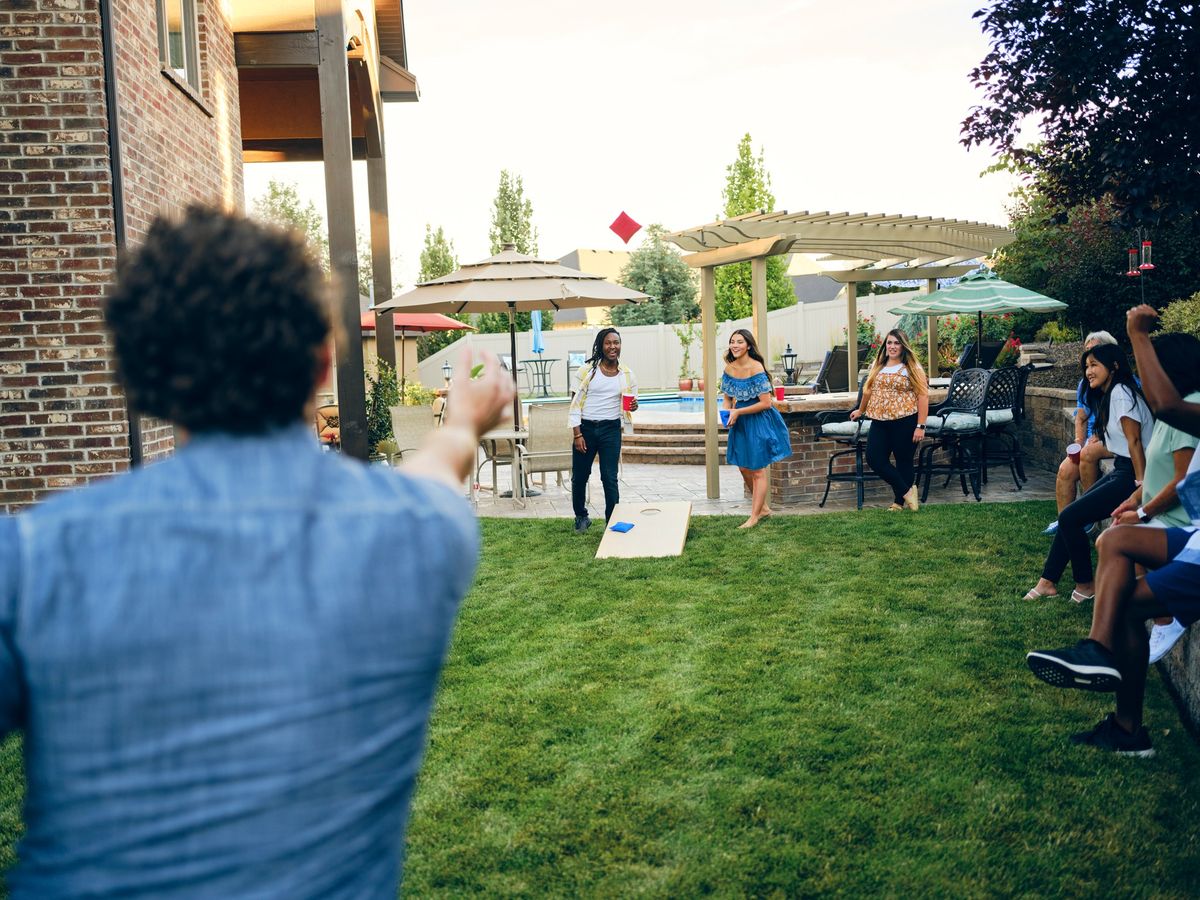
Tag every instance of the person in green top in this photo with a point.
(1168, 456)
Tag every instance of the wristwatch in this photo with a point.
(1142, 517)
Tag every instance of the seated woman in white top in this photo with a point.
(1124, 423)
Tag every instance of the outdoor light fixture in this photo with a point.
(789, 364)
(447, 371)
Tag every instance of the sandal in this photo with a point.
(1080, 597)
(1035, 594)
(895, 507)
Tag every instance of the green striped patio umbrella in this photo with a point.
(980, 292)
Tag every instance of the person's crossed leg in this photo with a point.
(1115, 654)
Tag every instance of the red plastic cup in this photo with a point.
(779, 392)
(1073, 451)
(627, 402)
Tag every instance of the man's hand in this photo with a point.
(633, 405)
(1127, 518)
(1140, 319)
(1129, 505)
(579, 443)
(478, 404)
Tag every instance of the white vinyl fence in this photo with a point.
(654, 352)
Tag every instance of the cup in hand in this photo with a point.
(724, 414)
(779, 392)
(1073, 451)
(627, 402)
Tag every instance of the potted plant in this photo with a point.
(383, 392)
(686, 332)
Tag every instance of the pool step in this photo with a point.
(668, 444)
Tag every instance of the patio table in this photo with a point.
(513, 436)
(540, 369)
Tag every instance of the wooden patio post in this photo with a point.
(337, 154)
(758, 301)
(708, 315)
(852, 335)
(930, 287)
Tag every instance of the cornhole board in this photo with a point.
(659, 529)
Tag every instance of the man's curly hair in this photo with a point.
(218, 323)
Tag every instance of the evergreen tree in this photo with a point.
(748, 190)
(512, 223)
(281, 205)
(437, 259)
(657, 270)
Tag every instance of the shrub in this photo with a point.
(416, 394)
(383, 392)
(1183, 315)
(1056, 332)
(866, 331)
(1010, 353)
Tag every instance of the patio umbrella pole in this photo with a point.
(512, 345)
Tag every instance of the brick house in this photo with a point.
(111, 112)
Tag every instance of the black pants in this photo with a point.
(604, 438)
(1070, 541)
(893, 437)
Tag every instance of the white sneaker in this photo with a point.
(1163, 638)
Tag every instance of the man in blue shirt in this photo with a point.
(221, 693)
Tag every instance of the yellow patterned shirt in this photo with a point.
(892, 395)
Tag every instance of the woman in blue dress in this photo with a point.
(757, 434)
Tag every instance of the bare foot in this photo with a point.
(766, 513)
(749, 523)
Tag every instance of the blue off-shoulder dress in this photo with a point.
(759, 439)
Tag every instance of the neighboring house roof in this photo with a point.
(814, 288)
(607, 263)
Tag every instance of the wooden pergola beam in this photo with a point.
(852, 276)
(281, 50)
(770, 246)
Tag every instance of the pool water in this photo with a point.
(672, 404)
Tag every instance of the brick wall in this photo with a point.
(62, 416)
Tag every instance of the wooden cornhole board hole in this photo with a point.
(659, 529)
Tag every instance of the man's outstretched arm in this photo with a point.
(1164, 400)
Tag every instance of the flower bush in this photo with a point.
(1183, 315)
(866, 332)
(1010, 353)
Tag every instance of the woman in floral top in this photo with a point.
(757, 433)
(896, 400)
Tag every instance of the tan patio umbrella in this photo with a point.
(511, 282)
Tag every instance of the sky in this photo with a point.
(639, 107)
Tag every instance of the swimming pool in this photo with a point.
(671, 404)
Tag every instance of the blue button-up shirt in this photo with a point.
(224, 665)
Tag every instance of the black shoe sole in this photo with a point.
(1060, 674)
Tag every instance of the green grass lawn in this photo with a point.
(826, 704)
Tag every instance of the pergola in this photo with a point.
(313, 76)
(851, 248)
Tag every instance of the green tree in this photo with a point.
(1077, 254)
(437, 259)
(512, 223)
(748, 190)
(657, 270)
(1111, 86)
(281, 205)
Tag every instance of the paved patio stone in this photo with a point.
(643, 482)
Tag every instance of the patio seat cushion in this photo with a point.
(844, 429)
(963, 421)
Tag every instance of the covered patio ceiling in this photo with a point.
(848, 247)
(313, 78)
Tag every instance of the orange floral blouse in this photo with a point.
(892, 396)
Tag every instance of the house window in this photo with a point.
(177, 40)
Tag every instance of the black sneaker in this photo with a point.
(582, 524)
(1089, 666)
(1108, 735)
